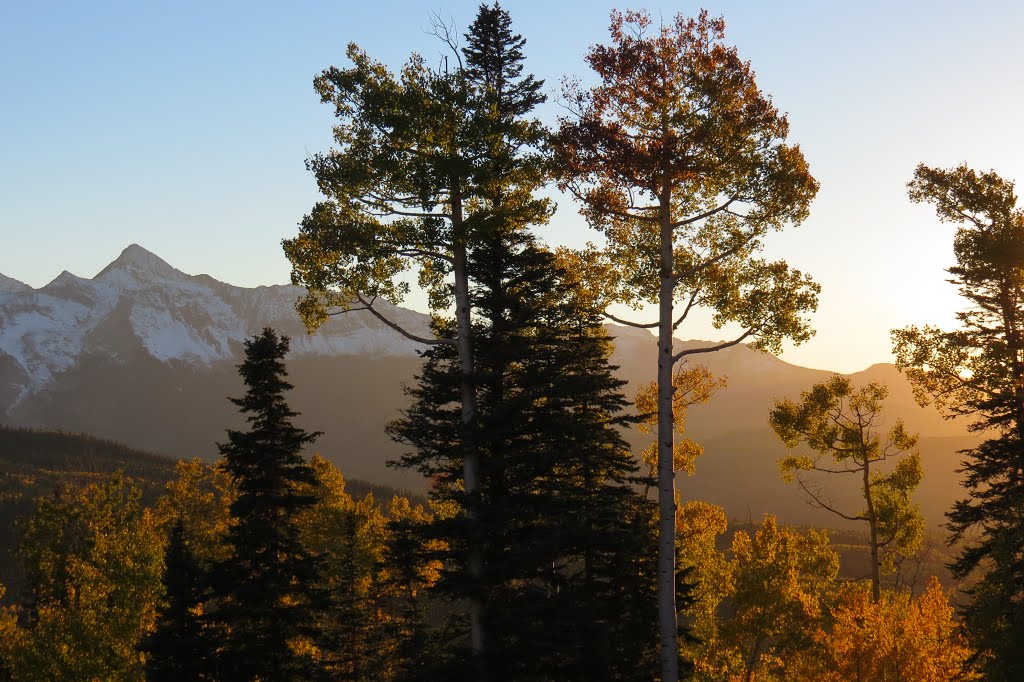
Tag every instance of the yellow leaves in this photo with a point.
(201, 498)
(97, 561)
(691, 385)
(789, 465)
(591, 278)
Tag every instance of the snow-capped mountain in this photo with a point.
(146, 354)
(140, 303)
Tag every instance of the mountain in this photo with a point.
(145, 354)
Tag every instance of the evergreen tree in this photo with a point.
(568, 541)
(265, 595)
(412, 185)
(978, 371)
(176, 650)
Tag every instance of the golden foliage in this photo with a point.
(691, 385)
(96, 561)
(200, 496)
(898, 638)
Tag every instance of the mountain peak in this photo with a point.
(9, 285)
(139, 261)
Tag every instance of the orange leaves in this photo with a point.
(897, 638)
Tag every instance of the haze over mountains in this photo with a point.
(146, 354)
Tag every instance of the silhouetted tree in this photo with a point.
(265, 595)
(978, 371)
(176, 649)
(568, 539)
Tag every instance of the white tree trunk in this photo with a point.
(667, 618)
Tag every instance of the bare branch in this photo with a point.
(711, 349)
(368, 306)
(816, 501)
(650, 325)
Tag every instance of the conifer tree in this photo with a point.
(176, 649)
(568, 540)
(264, 593)
(420, 159)
(977, 371)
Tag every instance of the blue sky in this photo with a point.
(184, 127)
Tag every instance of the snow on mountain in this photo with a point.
(140, 303)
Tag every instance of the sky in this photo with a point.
(184, 127)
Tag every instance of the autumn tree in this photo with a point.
(265, 599)
(710, 575)
(199, 498)
(977, 371)
(427, 165)
(842, 426)
(681, 162)
(898, 637)
(374, 606)
(94, 562)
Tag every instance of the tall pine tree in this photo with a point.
(568, 541)
(265, 598)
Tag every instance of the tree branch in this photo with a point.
(817, 501)
(711, 349)
(705, 214)
(650, 325)
(368, 306)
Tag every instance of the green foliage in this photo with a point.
(265, 600)
(419, 159)
(978, 370)
(568, 541)
(94, 561)
(841, 426)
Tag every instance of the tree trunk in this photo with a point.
(470, 456)
(668, 627)
(876, 571)
(755, 655)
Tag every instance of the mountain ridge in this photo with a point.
(145, 354)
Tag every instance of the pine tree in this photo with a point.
(977, 371)
(264, 594)
(568, 541)
(412, 185)
(176, 649)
